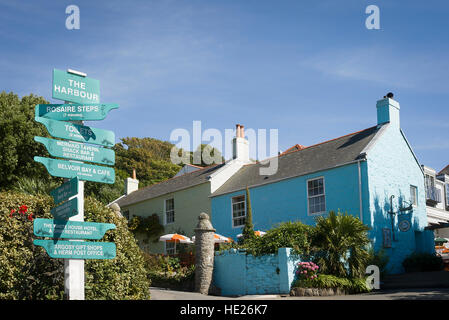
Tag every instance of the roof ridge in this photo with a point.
(314, 145)
(317, 144)
(174, 177)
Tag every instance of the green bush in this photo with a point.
(288, 234)
(417, 262)
(27, 272)
(167, 272)
(324, 281)
(380, 259)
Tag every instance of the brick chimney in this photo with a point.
(240, 146)
(131, 184)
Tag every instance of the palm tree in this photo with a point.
(340, 241)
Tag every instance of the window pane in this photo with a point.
(169, 210)
(238, 211)
(413, 194)
(315, 187)
(169, 204)
(316, 197)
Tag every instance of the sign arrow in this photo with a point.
(71, 112)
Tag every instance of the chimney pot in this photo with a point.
(134, 174)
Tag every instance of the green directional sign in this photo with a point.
(69, 169)
(77, 132)
(74, 88)
(71, 112)
(77, 249)
(66, 210)
(65, 191)
(77, 151)
(70, 229)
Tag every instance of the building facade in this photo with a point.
(437, 200)
(372, 174)
(178, 201)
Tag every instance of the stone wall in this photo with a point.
(237, 273)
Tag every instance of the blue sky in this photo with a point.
(310, 69)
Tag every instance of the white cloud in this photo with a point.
(391, 66)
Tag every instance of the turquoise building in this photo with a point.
(372, 174)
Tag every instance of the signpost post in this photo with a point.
(81, 96)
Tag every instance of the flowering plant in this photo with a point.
(307, 270)
(23, 210)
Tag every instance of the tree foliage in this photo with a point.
(149, 157)
(248, 229)
(209, 156)
(17, 145)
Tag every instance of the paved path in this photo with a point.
(402, 294)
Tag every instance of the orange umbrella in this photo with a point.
(218, 238)
(174, 237)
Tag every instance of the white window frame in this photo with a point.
(323, 194)
(415, 204)
(174, 248)
(165, 211)
(232, 211)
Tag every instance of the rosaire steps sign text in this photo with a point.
(71, 112)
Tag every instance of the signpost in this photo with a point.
(77, 132)
(77, 151)
(65, 191)
(69, 169)
(81, 96)
(66, 210)
(78, 249)
(74, 87)
(75, 111)
(70, 229)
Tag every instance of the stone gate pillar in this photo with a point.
(204, 256)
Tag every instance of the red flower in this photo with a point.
(12, 211)
(30, 217)
(23, 208)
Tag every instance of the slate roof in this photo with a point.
(303, 161)
(171, 185)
